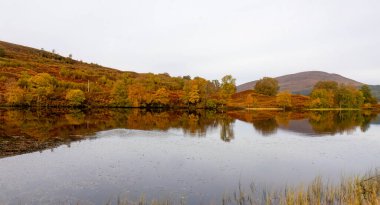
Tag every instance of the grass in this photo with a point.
(363, 190)
(328, 109)
(263, 108)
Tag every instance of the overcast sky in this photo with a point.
(209, 38)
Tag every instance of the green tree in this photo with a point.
(119, 93)
(349, 97)
(228, 86)
(75, 97)
(267, 86)
(322, 98)
(326, 85)
(367, 95)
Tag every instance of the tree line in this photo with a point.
(125, 90)
(325, 94)
(329, 94)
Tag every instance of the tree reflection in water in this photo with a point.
(30, 130)
(322, 122)
(226, 128)
(266, 126)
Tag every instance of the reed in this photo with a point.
(364, 190)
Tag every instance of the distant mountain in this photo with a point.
(303, 82)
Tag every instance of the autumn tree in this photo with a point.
(328, 94)
(284, 100)
(202, 86)
(75, 97)
(16, 96)
(119, 92)
(193, 96)
(228, 86)
(43, 85)
(191, 93)
(267, 86)
(135, 94)
(326, 85)
(322, 98)
(349, 97)
(161, 97)
(43, 80)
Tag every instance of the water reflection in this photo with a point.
(23, 131)
(320, 123)
(338, 122)
(226, 130)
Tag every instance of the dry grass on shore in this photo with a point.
(353, 191)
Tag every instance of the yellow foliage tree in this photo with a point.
(75, 97)
(192, 93)
(284, 100)
(322, 98)
(228, 86)
(194, 96)
(161, 97)
(16, 96)
(137, 94)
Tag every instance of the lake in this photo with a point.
(97, 156)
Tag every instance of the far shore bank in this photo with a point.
(374, 108)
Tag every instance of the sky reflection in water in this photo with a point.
(173, 154)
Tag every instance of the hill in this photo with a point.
(17, 61)
(303, 82)
(34, 77)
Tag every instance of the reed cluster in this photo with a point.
(364, 190)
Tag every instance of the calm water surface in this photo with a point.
(92, 157)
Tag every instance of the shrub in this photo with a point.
(75, 97)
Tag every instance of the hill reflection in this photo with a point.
(318, 123)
